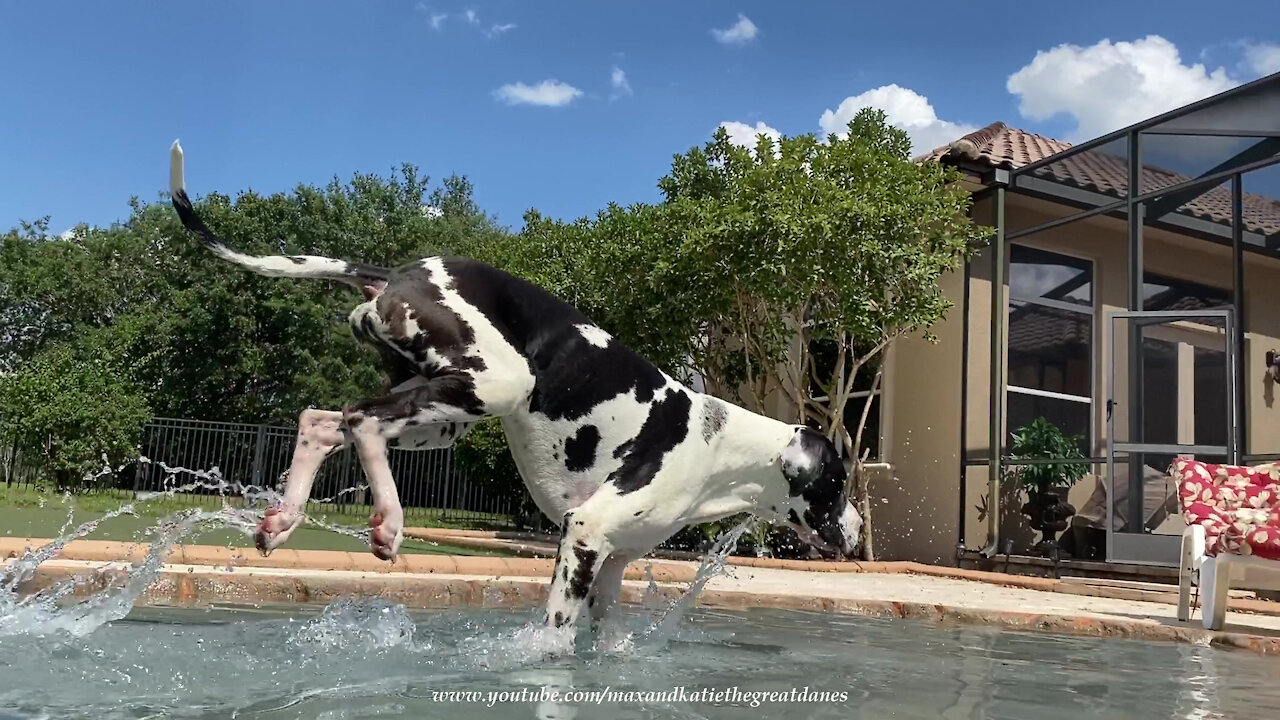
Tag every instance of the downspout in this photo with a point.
(996, 429)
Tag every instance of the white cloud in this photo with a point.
(740, 33)
(499, 29)
(472, 17)
(903, 108)
(1262, 59)
(618, 79)
(746, 136)
(548, 93)
(434, 18)
(67, 234)
(1107, 86)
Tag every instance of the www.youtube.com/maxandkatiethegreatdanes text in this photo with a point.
(607, 695)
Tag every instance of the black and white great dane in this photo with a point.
(618, 453)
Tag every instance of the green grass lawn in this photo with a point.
(22, 516)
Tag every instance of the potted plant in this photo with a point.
(1046, 483)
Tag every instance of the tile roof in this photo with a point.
(1001, 146)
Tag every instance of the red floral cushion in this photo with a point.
(1238, 507)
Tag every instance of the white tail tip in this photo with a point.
(176, 179)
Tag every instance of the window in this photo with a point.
(1051, 342)
(1165, 293)
(824, 358)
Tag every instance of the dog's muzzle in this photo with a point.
(848, 531)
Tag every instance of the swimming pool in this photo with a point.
(357, 659)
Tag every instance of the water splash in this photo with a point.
(48, 610)
(662, 618)
(713, 564)
(347, 622)
(371, 625)
(43, 612)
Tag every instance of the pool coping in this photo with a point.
(662, 570)
(188, 585)
(523, 543)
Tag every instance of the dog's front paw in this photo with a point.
(386, 532)
(276, 526)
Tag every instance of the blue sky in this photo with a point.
(561, 106)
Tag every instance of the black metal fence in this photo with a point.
(431, 485)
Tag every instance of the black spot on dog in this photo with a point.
(623, 449)
(564, 572)
(583, 574)
(454, 390)
(714, 416)
(304, 443)
(591, 602)
(559, 619)
(580, 450)
(579, 522)
(565, 496)
(410, 295)
(296, 260)
(637, 513)
(666, 426)
(571, 375)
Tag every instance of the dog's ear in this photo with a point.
(802, 461)
(809, 459)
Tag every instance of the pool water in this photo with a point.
(357, 659)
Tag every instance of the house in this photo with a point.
(1138, 304)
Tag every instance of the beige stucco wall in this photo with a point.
(915, 510)
(918, 518)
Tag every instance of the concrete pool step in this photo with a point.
(944, 601)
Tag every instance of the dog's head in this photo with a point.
(818, 507)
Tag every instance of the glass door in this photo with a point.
(1170, 392)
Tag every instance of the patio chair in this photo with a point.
(1232, 538)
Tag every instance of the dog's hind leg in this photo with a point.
(446, 399)
(320, 434)
(607, 588)
(602, 602)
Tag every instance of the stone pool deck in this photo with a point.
(195, 575)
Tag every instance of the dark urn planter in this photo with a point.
(1049, 513)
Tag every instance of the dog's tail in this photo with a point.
(370, 278)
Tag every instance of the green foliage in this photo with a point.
(840, 243)
(229, 345)
(195, 337)
(1040, 439)
(75, 406)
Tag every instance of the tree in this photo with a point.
(232, 346)
(75, 407)
(221, 343)
(815, 256)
